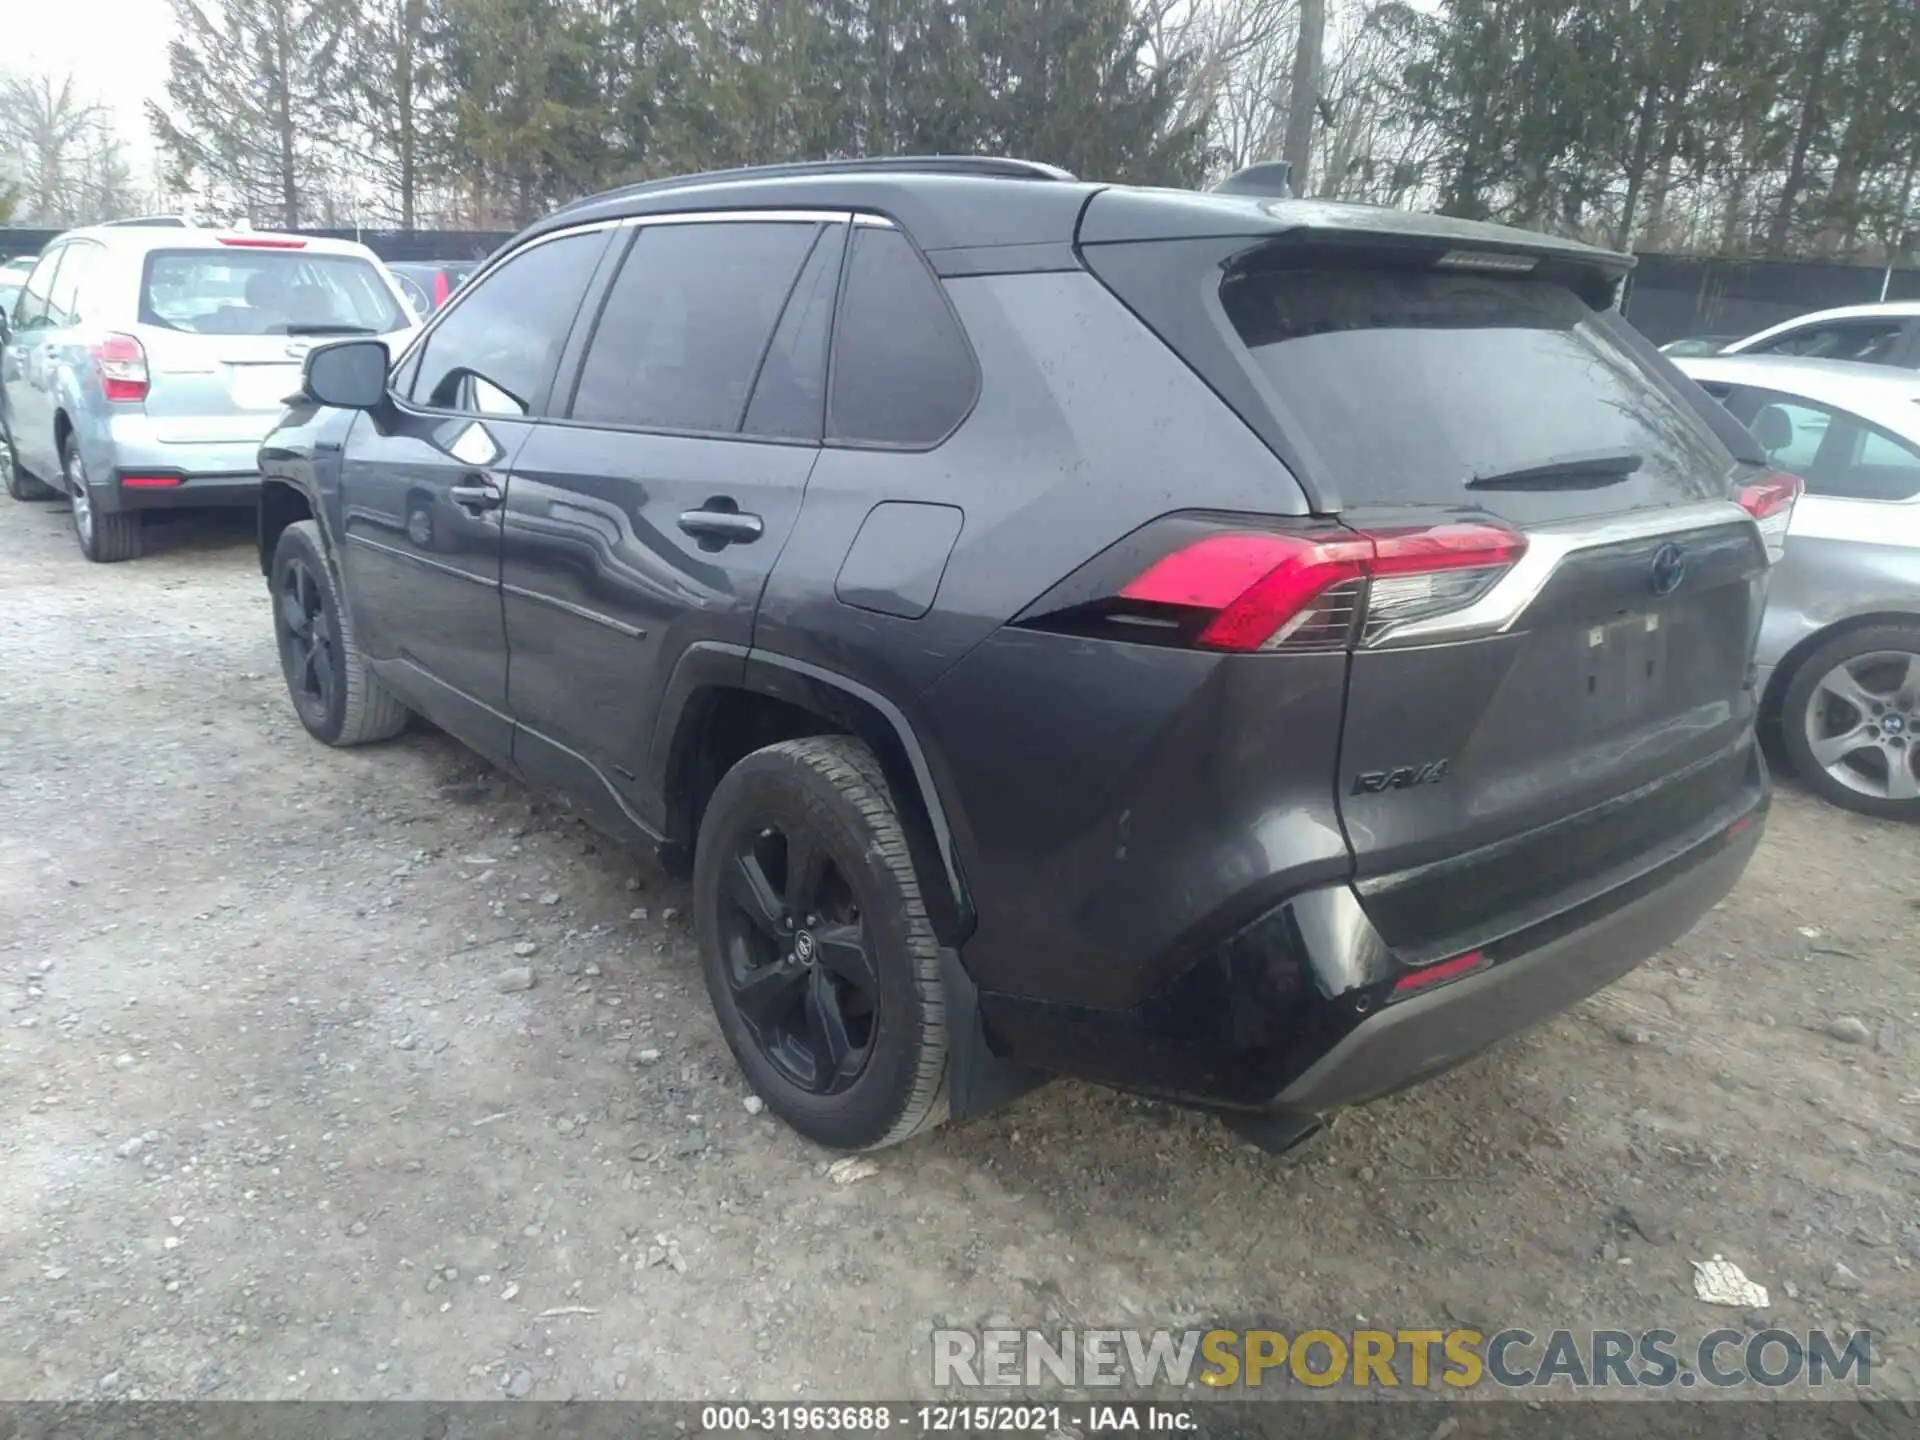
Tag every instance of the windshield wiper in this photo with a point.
(331, 330)
(1578, 470)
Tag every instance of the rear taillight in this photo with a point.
(1770, 501)
(123, 368)
(1249, 590)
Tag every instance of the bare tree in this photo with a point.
(1303, 92)
(56, 135)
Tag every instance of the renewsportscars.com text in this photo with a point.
(1513, 1359)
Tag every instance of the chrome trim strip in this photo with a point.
(1547, 549)
(436, 565)
(716, 217)
(632, 632)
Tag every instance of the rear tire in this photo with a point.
(19, 484)
(824, 974)
(106, 537)
(334, 694)
(1850, 721)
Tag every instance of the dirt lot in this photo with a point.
(277, 1121)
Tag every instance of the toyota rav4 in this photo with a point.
(1243, 650)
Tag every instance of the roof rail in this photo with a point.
(999, 166)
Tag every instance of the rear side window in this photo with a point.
(1876, 342)
(245, 291)
(31, 311)
(63, 301)
(790, 397)
(1835, 451)
(1425, 387)
(903, 374)
(495, 352)
(687, 322)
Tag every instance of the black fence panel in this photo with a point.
(1671, 296)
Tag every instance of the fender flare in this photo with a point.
(858, 709)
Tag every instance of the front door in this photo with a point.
(646, 519)
(424, 485)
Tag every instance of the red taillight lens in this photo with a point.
(149, 482)
(263, 242)
(1439, 971)
(122, 365)
(1770, 501)
(439, 288)
(1267, 589)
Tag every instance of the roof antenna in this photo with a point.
(1271, 179)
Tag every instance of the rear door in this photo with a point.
(225, 329)
(423, 488)
(644, 519)
(1506, 745)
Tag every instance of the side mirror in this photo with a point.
(347, 374)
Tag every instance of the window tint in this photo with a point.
(1413, 385)
(686, 324)
(902, 372)
(1873, 341)
(63, 306)
(790, 397)
(495, 353)
(32, 309)
(1835, 451)
(246, 291)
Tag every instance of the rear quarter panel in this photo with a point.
(1845, 559)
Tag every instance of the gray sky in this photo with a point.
(116, 51)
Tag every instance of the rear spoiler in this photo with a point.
(1119, 216)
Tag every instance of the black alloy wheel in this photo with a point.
(305, 630)
(798, 957)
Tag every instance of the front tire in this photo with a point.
(333, 692)
(1850, 721)
(818, 955)
(19, 484)
(106, 537)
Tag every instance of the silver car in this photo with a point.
(1884, 334)
(1840, 645)
(142, 365)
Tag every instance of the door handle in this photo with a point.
(475, 495)
(725, 526)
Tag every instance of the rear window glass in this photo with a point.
(1411, 384)
(266, 292)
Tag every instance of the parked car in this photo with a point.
(428, 283)
(1884, 334)
(1840, 647)
(143, 364)
(1698, 345)
(1247, 651)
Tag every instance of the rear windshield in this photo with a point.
(1410, 384)
(266, 292)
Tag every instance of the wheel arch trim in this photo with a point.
(718, 665)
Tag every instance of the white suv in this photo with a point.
(143, 364)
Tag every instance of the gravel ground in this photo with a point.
(372, 1075)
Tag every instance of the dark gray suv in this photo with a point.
(1247, 651)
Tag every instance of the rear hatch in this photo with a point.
(226, 331)
(1563, 697)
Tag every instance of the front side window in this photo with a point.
(687, 324)
(242, 290)
(1835, 451)
(495, 352)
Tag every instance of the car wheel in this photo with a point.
(105, 537)
(334, 694)
(19, 484)
(818, 954)
(1851, 721)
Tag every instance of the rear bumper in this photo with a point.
(221, 472)
(1299, 1014)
